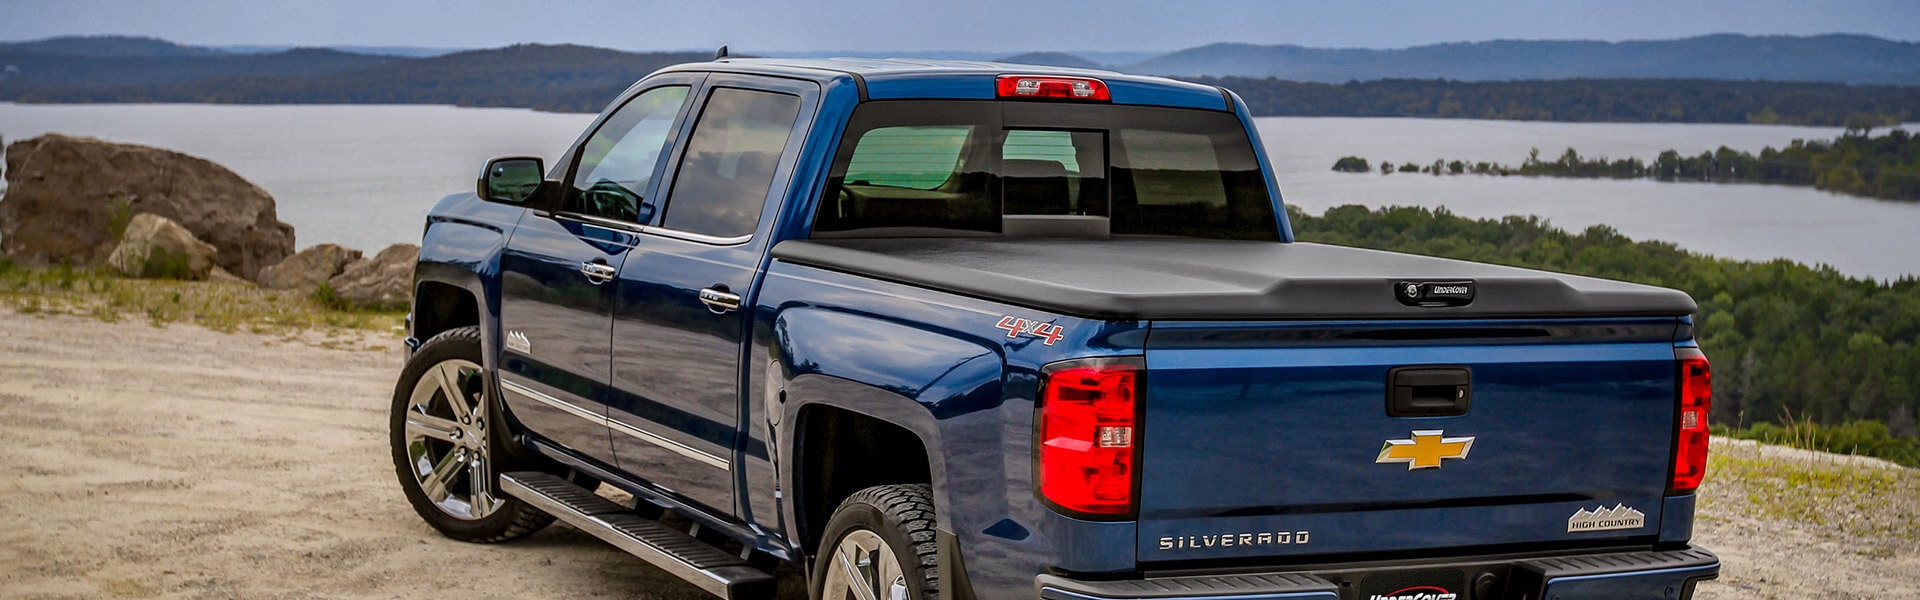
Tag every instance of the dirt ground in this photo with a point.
(178, 462)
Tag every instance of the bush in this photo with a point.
(1864, 437)
(1352, 164)
(119, 215)
(331, 298)
(166, 264)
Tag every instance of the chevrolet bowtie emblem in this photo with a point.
(1425, 450)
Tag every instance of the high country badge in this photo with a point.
(1620, 516)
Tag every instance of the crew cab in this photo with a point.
(957, 330)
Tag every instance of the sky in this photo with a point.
(909, 25)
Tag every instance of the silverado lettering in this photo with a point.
(787, 309)
(1234, 539)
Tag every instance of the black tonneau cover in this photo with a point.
(1190, 279)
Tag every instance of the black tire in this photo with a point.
(903, 517)
(508, 519)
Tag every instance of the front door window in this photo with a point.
(618, 162)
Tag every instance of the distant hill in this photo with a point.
(104, 46)
(556, 78)
(34, 72)
(401, 51)
(1836, 58)
(1051, 59)
(1566, 84)
(1592, 100)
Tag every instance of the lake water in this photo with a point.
(364, 176)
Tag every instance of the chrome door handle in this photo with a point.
(598, 272)
(719, 299)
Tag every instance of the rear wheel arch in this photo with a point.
(838, 452)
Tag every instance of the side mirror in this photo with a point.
(512, 180)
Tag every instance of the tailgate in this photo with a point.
(1275, 439)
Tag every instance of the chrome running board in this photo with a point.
(679, 554)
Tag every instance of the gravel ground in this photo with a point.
(1798, 524)
(178, 462)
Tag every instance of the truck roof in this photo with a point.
(901, 79)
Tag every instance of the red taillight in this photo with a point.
(1696, 398)
(1066, 88)
(1087, 427)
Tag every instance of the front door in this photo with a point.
(556, 298)
(680, 310)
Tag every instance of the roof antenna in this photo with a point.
(721, 54)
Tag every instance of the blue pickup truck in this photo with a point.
(919, 330)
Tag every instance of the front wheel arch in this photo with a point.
(430, 432)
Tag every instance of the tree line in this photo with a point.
(1592, 100)
(1789, 343)
(581, 79)
(1857, 163)
(555, 78)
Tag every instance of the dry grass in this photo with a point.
(220, 306)
(1870, 502)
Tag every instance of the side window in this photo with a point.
(618, 161)
(723, 182)
(1172, 168)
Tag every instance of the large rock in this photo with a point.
(384, 281)
(159, 248)
(66, 195)
(310, 268)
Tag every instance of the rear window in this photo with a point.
(1027, 169)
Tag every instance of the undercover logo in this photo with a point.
(1418, 592)
(1434, 293)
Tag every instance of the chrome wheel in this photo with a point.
(864, 568)
(446, 440)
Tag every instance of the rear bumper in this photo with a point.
(1646, 575)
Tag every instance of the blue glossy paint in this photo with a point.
(1159, 92)
(567, 318)
(933, 363)
(1676, 520)
(895, 79)
(461, 248)
(676, 363)
(932, 85)
(1260, 153)
(936, 364)
(1244, 438)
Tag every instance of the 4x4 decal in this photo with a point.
(1016, 327)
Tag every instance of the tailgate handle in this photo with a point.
(1429, 391)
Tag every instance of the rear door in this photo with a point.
(678, 327)
(1281, 439)
(556, 301)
